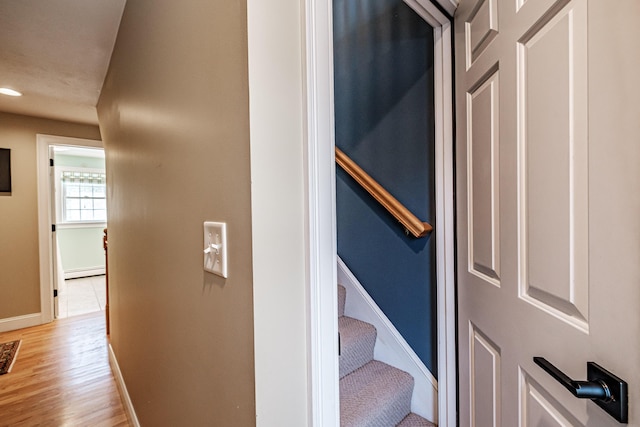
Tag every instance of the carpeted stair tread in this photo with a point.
(376, 395)
(342, 298)
(414, 420)
(357, 341)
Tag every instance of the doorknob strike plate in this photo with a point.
(618, 407)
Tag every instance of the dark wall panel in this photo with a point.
(384, 121)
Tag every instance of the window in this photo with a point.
(83, 194)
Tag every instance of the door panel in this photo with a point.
(553, 165)
(480, 29)
(548, 199)
(539, 408)
(484, 173)
(485, 377)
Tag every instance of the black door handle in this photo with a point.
(604, 388)
(580, 389)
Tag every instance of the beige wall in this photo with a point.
(174, 114)
(19, 264)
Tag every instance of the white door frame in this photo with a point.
(322, 249)
(45, 218)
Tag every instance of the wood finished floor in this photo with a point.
(61, 377)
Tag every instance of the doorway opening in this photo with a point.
(80, 213)
(321, 196)
(72, 217)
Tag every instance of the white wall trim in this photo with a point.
(19, 322)
(445, 228)
(321, 216)
(45, 218)
(445, 214)
(45, 249)
(287, 223)
(391, 348)
(84, 272)
(449, 5)
(122, 387)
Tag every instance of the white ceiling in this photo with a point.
(56, 52)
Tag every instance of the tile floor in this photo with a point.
(81, 296)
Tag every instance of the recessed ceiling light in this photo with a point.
(10, 92)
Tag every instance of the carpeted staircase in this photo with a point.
(372, 393)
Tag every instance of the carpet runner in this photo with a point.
(372, 393)
(8, 353)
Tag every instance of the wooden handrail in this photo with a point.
(411, 223)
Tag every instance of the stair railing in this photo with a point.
(411, 222)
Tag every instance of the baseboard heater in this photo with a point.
(84, 272)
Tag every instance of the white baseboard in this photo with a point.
(84, 272)
(390, 347)
(19, 322)
(124, 394)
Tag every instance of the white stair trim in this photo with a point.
(390, 347)
(124, 394)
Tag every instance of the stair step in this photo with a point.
(357, 341)
(375, 395)
(414, 420)
(342, 298)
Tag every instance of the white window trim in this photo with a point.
(85, 224)
(60, 222)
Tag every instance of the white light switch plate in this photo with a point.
(215, 248)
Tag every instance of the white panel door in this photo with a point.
(548, 204)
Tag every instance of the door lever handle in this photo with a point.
(605, 389)
(580, 389)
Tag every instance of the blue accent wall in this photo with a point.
(383, 53)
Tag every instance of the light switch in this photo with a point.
(215, 248)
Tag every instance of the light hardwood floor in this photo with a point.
(61, 377)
